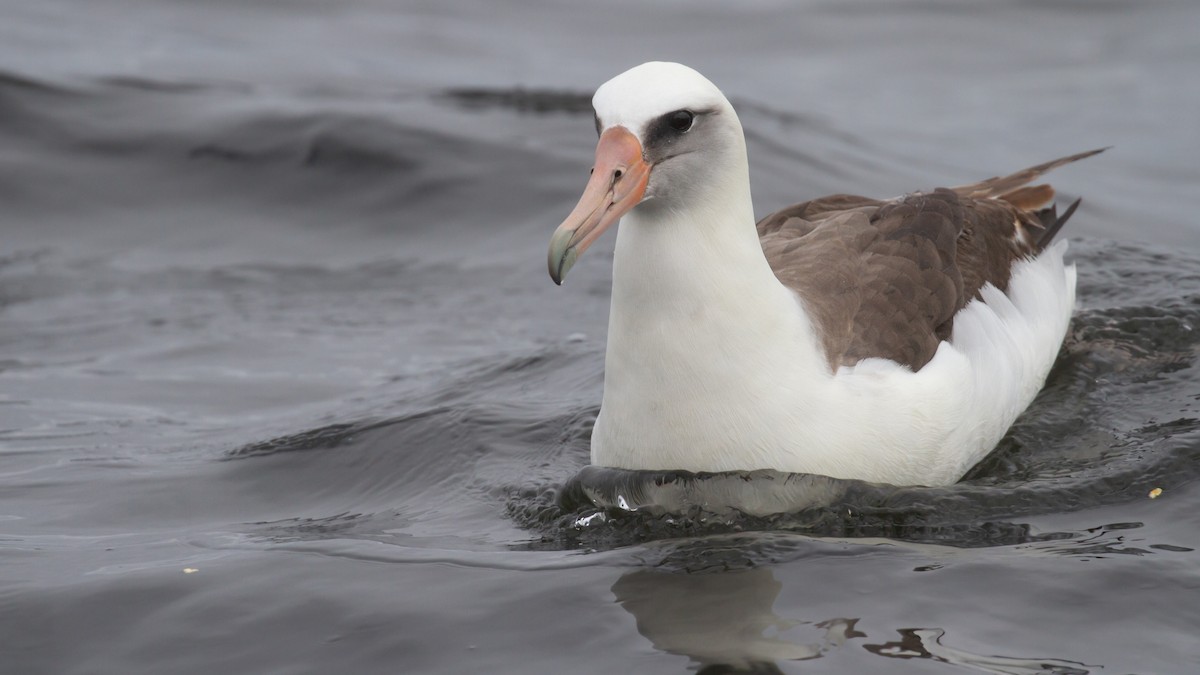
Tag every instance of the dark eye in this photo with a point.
(681, 120)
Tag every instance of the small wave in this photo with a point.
(322, 438)
(10, 80)
(326, 140)
(536, 101)
(170, 86)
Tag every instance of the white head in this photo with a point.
(642, 94)
(667, 136)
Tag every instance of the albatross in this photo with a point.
(885, 340)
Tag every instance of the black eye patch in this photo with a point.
(663, 131)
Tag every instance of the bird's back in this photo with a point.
(886, 278)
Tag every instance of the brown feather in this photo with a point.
(998, 185)
(886, 278)
(1029, 197)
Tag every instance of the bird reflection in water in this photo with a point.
(724, 621)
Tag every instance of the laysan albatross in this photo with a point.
(886, 340)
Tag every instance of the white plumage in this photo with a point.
(713, 364)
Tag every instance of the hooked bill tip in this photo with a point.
(559, 272)
(563, 255)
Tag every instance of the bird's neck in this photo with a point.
(701, 332)
(665, 255)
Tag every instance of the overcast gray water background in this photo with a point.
(274, 309)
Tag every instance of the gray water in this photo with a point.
(284, 387)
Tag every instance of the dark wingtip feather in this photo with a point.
(1058, 223)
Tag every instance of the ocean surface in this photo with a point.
(285, 388)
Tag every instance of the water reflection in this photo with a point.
(724, 621)
(926, 643)
(723, 618)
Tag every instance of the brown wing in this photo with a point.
(885, 278)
